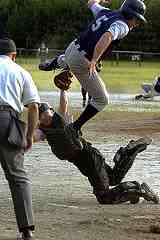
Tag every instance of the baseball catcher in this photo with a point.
(106, 181)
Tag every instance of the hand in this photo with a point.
(92, 67)
(29, 142)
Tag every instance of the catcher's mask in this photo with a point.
(44, 107)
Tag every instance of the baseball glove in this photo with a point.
(63, 80)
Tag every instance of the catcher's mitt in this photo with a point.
(63, 80)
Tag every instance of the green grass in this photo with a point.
(125, 77)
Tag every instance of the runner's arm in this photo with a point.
(95, 7)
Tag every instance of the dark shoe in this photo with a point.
(148, 194)
(25, 235)
(49, 65)
(138, 145)
(139, 97)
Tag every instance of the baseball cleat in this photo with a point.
(138, 97)
(49, 65)
(149, 194)
(27, 235)
(138, 145)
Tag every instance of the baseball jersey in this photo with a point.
(105, 21)
(17, 88)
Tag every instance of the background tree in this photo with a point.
(57, 22)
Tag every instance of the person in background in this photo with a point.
(150, 90)
(17, 90)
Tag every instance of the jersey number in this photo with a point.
(98, 22)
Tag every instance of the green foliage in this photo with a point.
(57, 22)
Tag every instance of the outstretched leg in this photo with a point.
(92, 164)
(125, 157)
(54, 63)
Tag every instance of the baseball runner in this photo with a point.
(59, 63)
(99, 37)
(106, 181)
(150, 90)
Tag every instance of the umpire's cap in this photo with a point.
(7, 45)
(134, 8)
(44, 107)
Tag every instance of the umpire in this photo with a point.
(17, 90)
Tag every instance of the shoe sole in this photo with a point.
(154, 196)
(141, 142)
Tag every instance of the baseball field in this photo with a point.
(124, 77)
(64, 205)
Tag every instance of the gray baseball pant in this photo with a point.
(92, 84)
(12, 162)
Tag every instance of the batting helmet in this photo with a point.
(134, 8)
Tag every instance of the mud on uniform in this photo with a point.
(91, 164)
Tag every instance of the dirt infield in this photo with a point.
(63, 203)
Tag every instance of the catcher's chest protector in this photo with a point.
(59, 140)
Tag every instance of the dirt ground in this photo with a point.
(64, 206)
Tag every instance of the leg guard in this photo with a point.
(125, 157)
(124, 192)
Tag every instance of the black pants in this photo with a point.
(101, 176)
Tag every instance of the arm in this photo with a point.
(91, 2)
(63, 104)
(33, 117)
(95, 7)
(99, 49)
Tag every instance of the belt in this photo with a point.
(77, 44)
(8, 108)
(5, 108)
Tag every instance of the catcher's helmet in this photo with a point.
(134, 8)
(44, 107)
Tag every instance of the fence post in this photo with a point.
(117, 58)
(43, 52)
